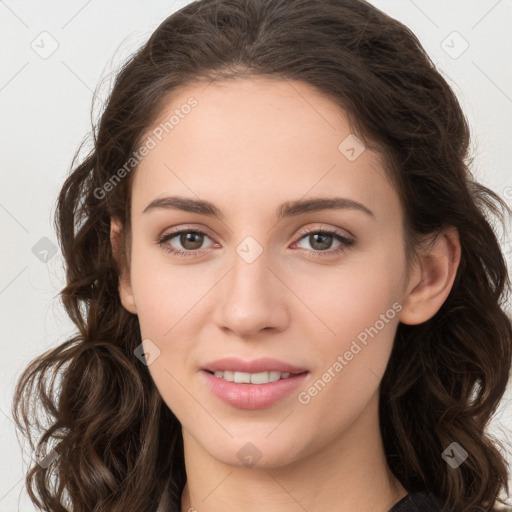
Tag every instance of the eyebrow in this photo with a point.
(288, 209)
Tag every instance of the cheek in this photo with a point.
(349, 298)
(166, 293)
(168, 299)
(357, 307)
(362, 310)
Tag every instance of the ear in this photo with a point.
(432, 278)
(124, 288)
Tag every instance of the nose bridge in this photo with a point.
(250, 273)
(249, 297)
(250, 261)
(248, 284)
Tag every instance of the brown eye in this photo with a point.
(320, 241)
(186, 242)
(191, 240)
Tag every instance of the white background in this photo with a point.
(45, 113)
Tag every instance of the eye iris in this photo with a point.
(195, 238)
(325, 241)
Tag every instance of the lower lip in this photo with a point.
(252, 396)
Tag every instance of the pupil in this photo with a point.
(194, 238)
(326, 241)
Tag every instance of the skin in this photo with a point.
(249, 146)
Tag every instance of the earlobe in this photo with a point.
(432, 279)
(124, 288)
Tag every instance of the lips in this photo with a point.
(232, 381)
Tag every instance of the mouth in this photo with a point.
(264, 377)
(253, 391)
(252, 384)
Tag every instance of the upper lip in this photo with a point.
(263, 364)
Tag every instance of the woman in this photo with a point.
(286, 284)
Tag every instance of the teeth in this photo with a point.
(251, 378)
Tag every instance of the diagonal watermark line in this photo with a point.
(92, 92)
(12, 280)
(13, 13)
(376, 376)
(320, 179)
(282, 421)
(76, 14)
(199, 403)
(12, 488)
(14, 218)
(201, 298)
(7, 416)
(168, 168)
(301, 300)
(380, 172)
(14, 76)
(303, 195)
(424, 13)
(287, 492)
(310, 105)
(193, 192)
(217, 486)
(486, 14)
(492, 81)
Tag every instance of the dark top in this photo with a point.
(413, 502)
(416, 502)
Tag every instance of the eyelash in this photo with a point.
(345, 242)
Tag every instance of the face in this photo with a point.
(316, 289)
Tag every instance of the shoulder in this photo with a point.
(417, 502)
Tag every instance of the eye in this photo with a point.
(190, 240)
(321, 241)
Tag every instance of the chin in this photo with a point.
(255, 452)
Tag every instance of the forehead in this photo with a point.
(255, 142)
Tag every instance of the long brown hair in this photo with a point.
(114, 440)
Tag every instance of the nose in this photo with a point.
(251, 298)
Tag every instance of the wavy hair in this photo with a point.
(116, 445)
